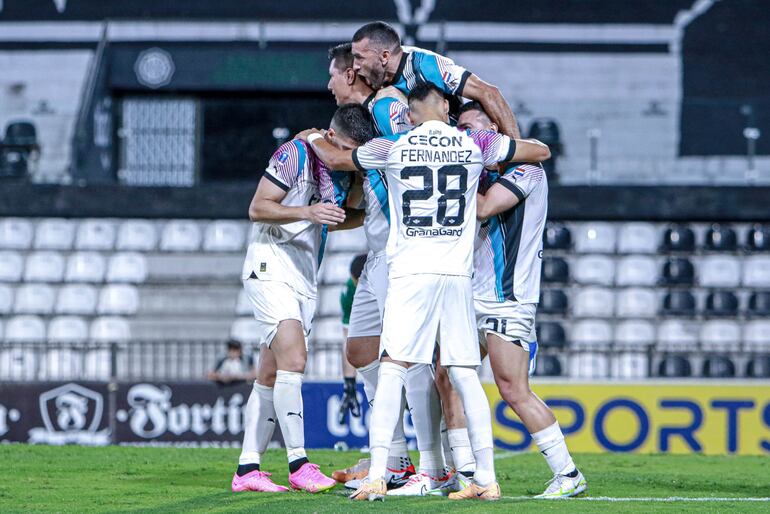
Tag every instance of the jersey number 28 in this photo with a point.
(444, 172)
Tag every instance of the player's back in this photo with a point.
(433, 172)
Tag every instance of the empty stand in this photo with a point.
(128, 267)
(95, 234)
(636, 334)
(678, 271)
(68, 329)
(76, 299)
(25, 329)
(15, 233)
(594, 302)
(637, 303)
(55, 234)
(118, 299)
(719, 271)
(245, 330)
(637, 238)
(6, 300)
(551, 334)
(720, 238)
(137, 235)
(758, 238)
(637, 270)
(44, 267)
(34, 299)
(595, 237)
(110, 329)
(679, 303)
(11, 266)
(721, 303)
(759, 304)
(591, 333)
(555, 270)
(756, 271)
(553, 301)
(85, 267)
(224, 236)
(720, 335)
(557, 236)
(677, 334)
(180, 236)
(678, 238)
(595, 269)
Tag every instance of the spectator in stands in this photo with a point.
(235, 367)
(349, 397)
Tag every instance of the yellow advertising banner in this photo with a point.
(712, 418)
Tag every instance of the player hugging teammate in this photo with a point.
(424, 184)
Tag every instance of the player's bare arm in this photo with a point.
(530, 150)
(335, 158)
(266, 208)
(499, 198)
(494, 104)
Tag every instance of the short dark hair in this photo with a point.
(234, 344)
(422, 91)
(380, 33)
(357, 266)
(473, 105)
(342, 54)
(353, 121)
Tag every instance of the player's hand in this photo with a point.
(349, 401)
(302, 136)
(325, 214)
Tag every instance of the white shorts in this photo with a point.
(274, 302)
(420, 307)
(369, 300)
(508, 320)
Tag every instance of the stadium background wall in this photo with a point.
(710, 418)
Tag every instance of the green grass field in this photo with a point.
(165, 480)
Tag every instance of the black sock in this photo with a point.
(246, 468)
(296, 464)
(572, 474)
(467, 474)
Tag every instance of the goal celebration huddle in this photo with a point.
(427, 157)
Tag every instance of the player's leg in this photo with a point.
(457, 444)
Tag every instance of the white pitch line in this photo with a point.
(669, 499)
(507, 455)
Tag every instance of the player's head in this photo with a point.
(234, 349)
(473, 116)
(374, 46)
(342, 79)
(357, 267)
(427, 102)
(351, 126)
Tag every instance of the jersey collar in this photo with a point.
(400, 70)
(369, 100)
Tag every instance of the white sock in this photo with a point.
(550, 442)
(467, 384)
(423, 400)
(287, 396)
(460, 446)
(369, 375)
(385, 415)
(258, 424)
(445, 444)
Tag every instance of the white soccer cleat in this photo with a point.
(417, 485)
(563, 486)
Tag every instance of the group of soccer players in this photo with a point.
(453, 217)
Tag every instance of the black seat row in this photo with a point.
(714, 366)
(718, 304)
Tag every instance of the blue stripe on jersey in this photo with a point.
(381, 115)
(322, 246)
(497, 241)
(426, 67)
(302, 154)
(342, 182)
(380, 189)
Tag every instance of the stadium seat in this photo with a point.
(76, 299)
(756, 335)
(756, 272)
(676, 334)
(44, 267)
(95, 234)
(759, 304)
(678, 238)
(25, 329)
(637, 237)
(347, 241)
(555, 270)
(85, 267)
(758, 367)
(556, 237)
(68, 329)
(335, 268)
(595, 237)
(629, 365)
(54, 234)
(225, 236)
(11, 266)
(637, 270)
(180, 236)
(718, 366)
(34, 299)
(635, 334)
(758, 238)
(550, 334)
(591, 333)
(589, 365)
(595, 269)
(243, 305)
(720, 335)
(721, 303)
(327, 331)
(127, 267)
(552, 301)
(674, 366)
(719, 271)
(678, 303)
(245, 330)
(110, 329)
(678, 271)
(137, 235)
(328, 301)
(720, 238)
(15, 234)
(636, 303)
(594, 302)
(6, 300)
(548, 366)
(118, 299)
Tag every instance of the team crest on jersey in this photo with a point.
(283, 157)
(262, 267)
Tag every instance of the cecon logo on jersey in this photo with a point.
(442, 141)
(709, 418)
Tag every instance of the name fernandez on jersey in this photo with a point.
(459, 156)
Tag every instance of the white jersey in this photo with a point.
(291, 252)
(433, 173)
(509, 246)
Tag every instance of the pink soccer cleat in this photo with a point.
(309, 478)
(258, 481)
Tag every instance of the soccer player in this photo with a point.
(506, 289)
(295, 201)
(349, 394)
(380, 60)
(432, 172)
